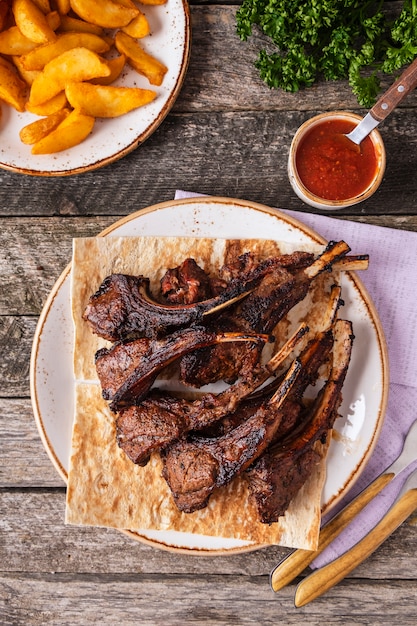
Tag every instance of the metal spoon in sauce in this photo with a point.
(406, 82)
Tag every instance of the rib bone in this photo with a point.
(128, 370)
(159, 419)
(279, 474)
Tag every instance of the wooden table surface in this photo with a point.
(228, 135)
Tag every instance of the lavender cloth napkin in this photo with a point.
(391, 281)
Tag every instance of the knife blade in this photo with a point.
(328, 576)
(298, 560)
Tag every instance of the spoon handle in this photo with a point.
(396, 93)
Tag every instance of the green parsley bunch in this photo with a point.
(330, 39)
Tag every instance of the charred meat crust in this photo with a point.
(127, 370)
(280, 289)
(279, 474)
(231, 454)
(123, 305)
(217, 328)
(194, 468)
(223, 411)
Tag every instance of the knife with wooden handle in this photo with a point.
(298, 560)
(327, 577)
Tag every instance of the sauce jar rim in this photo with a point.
(309, 197)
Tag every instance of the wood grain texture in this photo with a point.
(151, 600)
(228, 134)
(224, 114)
(253, 148)
(72, 549)
(24, 461)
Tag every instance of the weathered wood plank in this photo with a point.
(240, 154)
(60, 548)
(222, 75)
(191, 600)
(24, 461)
(16, 335)
(33, 253)
(55, 547)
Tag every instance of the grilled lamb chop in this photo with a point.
(248, 262)
(260, 311)
(276, 477)
(218, 460)
(293, 262)
(189, 283)
(160, 418)
(314, 355)
(127, 370)
(123, 306)
(194, 468)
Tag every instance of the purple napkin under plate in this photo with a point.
(391, 281)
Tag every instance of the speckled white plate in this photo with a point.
(111, 139)
(364, 394)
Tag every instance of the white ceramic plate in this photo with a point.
(111, 139)
(365, 390)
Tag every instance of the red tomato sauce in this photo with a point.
(329, 168)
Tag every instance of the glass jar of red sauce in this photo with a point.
(328, 173)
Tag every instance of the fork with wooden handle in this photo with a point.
(323, 579)
(298, 560)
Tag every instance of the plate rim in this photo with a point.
(142, 137)
(299, 225)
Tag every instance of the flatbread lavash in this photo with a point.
(104, 487)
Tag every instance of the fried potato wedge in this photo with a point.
(54, 20)
(106, 101)
(13, 89)
(32, 22)
(138, 27)
(37, 130)
(116, 66)
(27, 75)
(153, 2)
(40, 56)
(13, 42)
(72, 131)
(104, 13)
(73, 24)
(63, 6)
(53, 105)
(74, 65)
(139, 59)
(43, 5)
